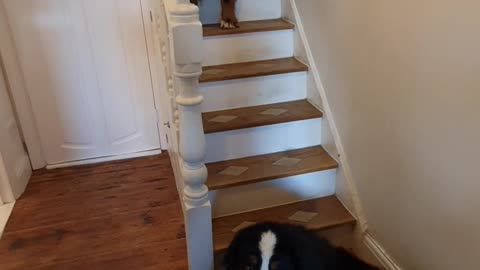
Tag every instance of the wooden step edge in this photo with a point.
(327, 208)
(211, 30)
(258, 116)
(263, 166)
(252, 69)
(272, 177)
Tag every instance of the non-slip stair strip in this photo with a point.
(248, 27)
(257, 116)
(331, 213)
(267, 167)
(251, 69)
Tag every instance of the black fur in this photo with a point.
(296, 249)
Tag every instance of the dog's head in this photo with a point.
(261, 247)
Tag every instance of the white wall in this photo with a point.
(403, 81)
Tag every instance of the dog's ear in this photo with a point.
(230, 257)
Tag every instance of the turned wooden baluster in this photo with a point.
(186, 31)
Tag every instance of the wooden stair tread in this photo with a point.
(251, 69)
(248, 27)
(331, 213)
(262, 115)
(261, 168)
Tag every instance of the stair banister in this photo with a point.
(185, 36)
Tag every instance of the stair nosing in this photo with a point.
(269, 178)
(263, 125)
(253, 180)
(239, 31)
(303, 68)
(351, 221)
(270, 122)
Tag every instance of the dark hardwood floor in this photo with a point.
(116, 215)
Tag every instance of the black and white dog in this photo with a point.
(271, 246)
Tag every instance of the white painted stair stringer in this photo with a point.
(247, 10)
(272, 193)
(228, 49)
(255, 91)
(346, 186)
(263, 140)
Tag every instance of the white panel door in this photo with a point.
(86, 67)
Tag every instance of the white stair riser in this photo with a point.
(263, 140)
(247, 10)
(248, 47)
(272, 193)
(253, 91)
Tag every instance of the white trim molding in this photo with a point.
(380, 253)
(104, 159)
(5, 212)
(18, 90)
(351, 186)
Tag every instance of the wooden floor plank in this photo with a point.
(122, 215)
(135, 257)
(248, 27)
(331, 213)
(262, 168)
(256, 116)
(251, 69)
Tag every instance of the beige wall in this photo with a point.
(403, 81)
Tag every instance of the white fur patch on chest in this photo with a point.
(267, 245)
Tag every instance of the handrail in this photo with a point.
(183, 55)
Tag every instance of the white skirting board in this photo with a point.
(228, 49)
(303, 47)
(380, 253)
(272, 193)
(5, 212)
(104, 159)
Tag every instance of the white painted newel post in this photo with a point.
(187, 38)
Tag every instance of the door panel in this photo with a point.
(87, 72)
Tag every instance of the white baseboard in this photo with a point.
(380, 253)
(328, 113)
(5, 212)
(104, 159)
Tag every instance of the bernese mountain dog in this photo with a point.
(229, 19)
(273, 246)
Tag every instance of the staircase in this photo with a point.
(256, 139)
(263, 133)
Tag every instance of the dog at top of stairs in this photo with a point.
(273, 246)
(229, 19)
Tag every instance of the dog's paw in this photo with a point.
(229, 23)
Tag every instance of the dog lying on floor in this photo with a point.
(229, 19)
(271, 246)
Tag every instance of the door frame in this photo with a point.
(10, 65)
(150, 9)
